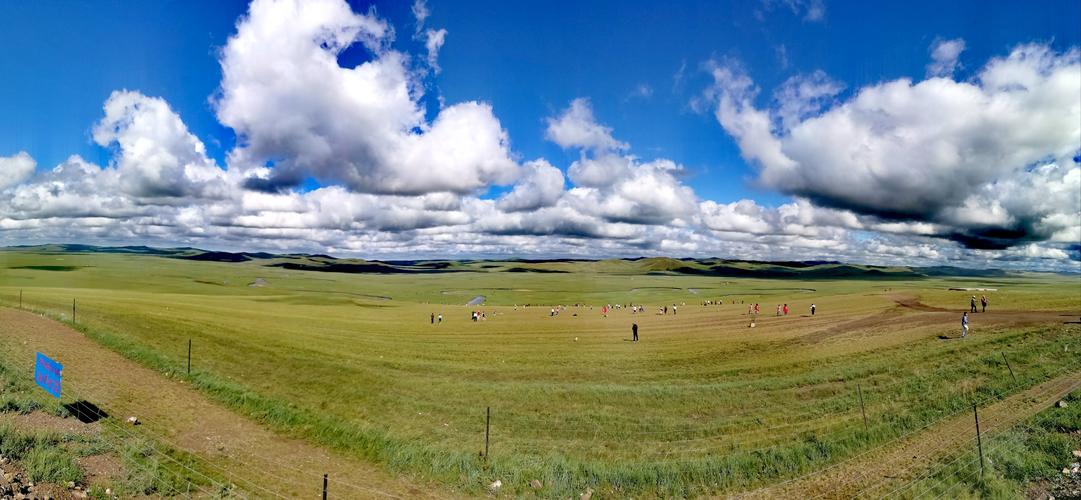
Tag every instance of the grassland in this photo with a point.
(702, 405)
(41, 438)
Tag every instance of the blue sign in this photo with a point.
(48, 374)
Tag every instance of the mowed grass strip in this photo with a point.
(702, 404)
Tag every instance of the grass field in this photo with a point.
(702, 405)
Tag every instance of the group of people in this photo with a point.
(983, 302)
(972, 308)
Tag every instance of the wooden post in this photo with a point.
(189, 356)
(1008, 368)
(862, 409)
(979, 443)
(20, 299)
(72, 311)
(487, 428)
(324, 487)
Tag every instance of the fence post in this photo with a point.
(487, 429)
(20, 299)
(979, 443)
(324, 487)
(862, 410)
(73, 311)
(189, 356)
(1008, 368)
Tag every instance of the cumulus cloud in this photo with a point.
(293, 106)
(614, 186)
(803, 96)
(16, 169)
(930, 152)
(575, 127)
(897, 173)
(944, 55)
(541, 186)
(157, 156)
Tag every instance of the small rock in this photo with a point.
(1062, 404)
(1077, 453)
(133, 421)
(80, 494)
(71, 485)
(588, 494)
(495, 485)
(536, 484)
(109, 492)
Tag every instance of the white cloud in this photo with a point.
(541, 186)
(158, 157)
(434, 40)
(944, 55)
(16, 169)
(803, 96)
(1001, 147)
(292, 104)
(809, 10)
(421, 13)
(919, 152)
(575, 127)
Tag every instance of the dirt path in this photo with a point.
(879, 472)
(258, 461)
(908, 311)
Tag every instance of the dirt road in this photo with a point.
(258, 461)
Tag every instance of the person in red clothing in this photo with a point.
(786, 309)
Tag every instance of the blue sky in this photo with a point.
(643, 67)
(529, 59)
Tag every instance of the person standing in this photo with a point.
(972, 304)
(786, 309)
(983, 302)
(634, 332)
(964, 325)
(812, 309)
(433, 318)
(440, 318)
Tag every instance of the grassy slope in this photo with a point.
(700, 405)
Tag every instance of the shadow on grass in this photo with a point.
(86, 411)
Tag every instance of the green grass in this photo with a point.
(52, 457)
(1034, 451)
(702, 405)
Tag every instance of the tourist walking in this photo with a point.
(964, 325)
(634, 332)
(983, 302)
(812, 309)
(972, 304)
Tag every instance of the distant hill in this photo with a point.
(721, 268)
